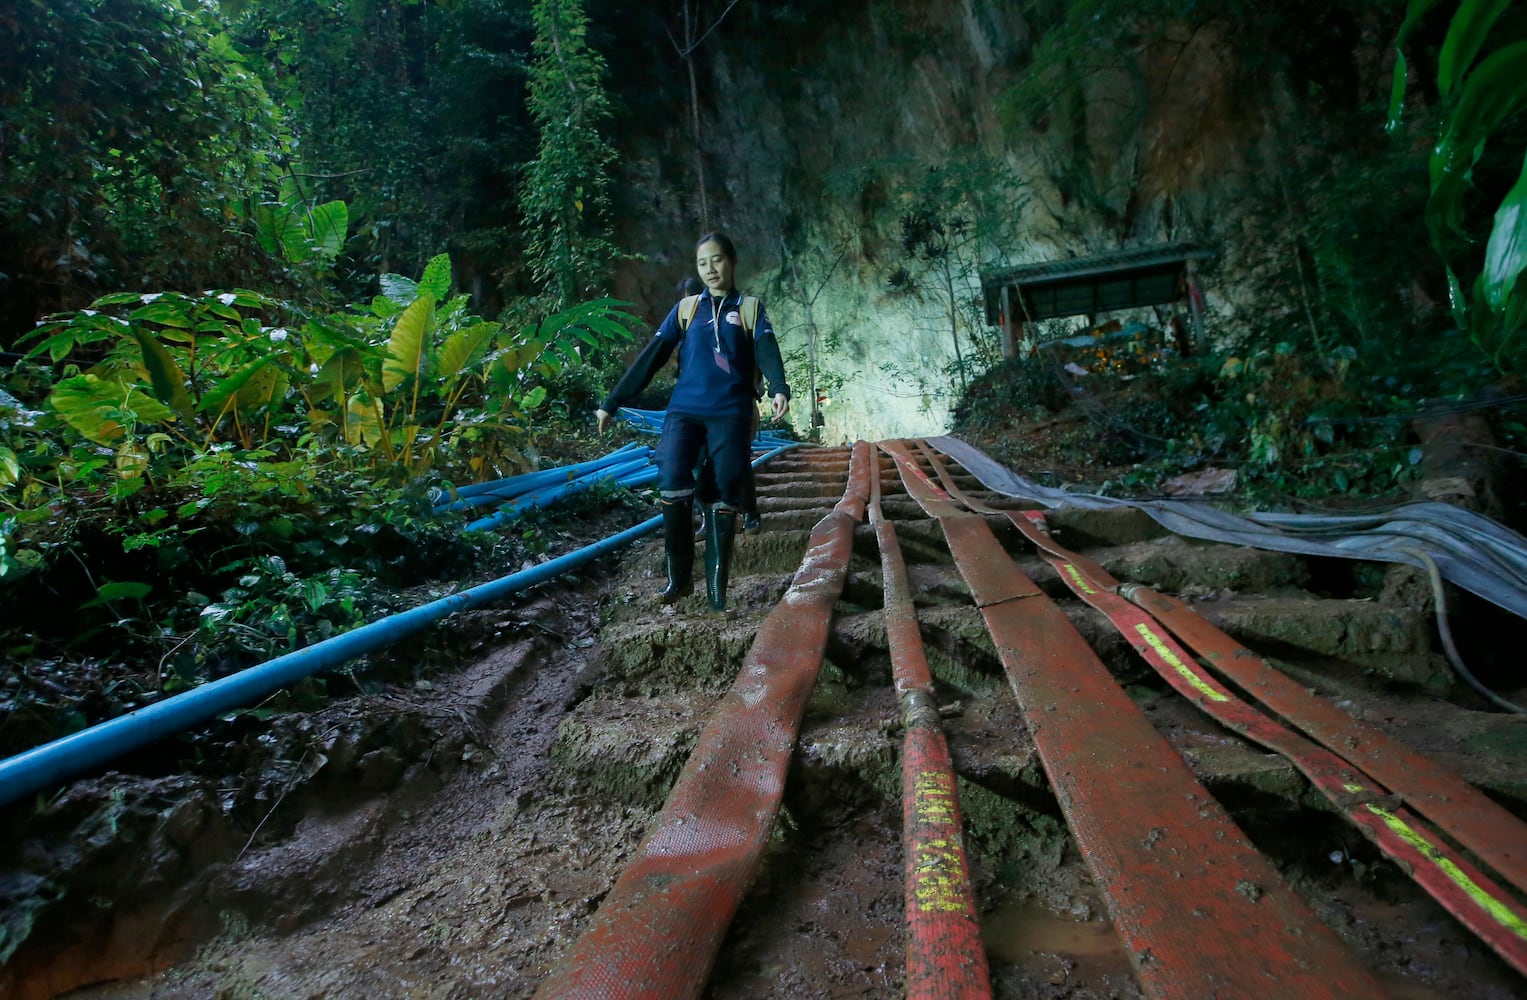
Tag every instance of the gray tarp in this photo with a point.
(1470, 550)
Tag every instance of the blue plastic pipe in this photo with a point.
(481, 494)
(593, 463)
(509, 489)
(45, 766)
(551, 494)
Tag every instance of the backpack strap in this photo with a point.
(687, 306)
(750, 313)
(750, 323)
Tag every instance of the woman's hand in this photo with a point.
(601, 420)
(781, 405)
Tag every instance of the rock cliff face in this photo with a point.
(819, 130)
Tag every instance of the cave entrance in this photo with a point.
(1089, 286)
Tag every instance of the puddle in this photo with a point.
(1017, 933)
(1043, 954)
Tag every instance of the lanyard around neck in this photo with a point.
(715, 318)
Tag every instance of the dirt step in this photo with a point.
(657, 653)
(801, 460)
(1179, 566)
(1078, 529)
(823, 488)
(768, 478)
(629, 750)
(1391, 642)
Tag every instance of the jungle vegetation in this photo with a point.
(272, 271)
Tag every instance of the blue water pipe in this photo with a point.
(549, 495)
(651, 422)
(44, 766)
(486, 494)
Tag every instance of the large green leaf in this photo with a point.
(365, 421)
(295, 234)
(10, 469)
(1515, 312)
(1491, 94)
(1465, 35)
(399, 289)
(99, 408)
(168, 381)
(222, 394)
(167, 309)
(437, 277)
(408, 347)
(263, 388)
(339, 375)
(1506, 252)
(1414, 12)
(327, 226)
(271, 222)
(461, 349)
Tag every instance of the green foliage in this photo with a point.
(565, 194)
(1482, 77)
(125, 127)
(405, 384)
(303, 233)
(411, 113)
(233, 445)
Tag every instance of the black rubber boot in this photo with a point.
(703, 531)
(751, 523)
(678, 549)
(718, 555)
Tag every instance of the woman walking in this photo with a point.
(713, 409)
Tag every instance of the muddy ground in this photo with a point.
(452, 841)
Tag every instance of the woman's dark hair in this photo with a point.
(722, 240)
(689, 286)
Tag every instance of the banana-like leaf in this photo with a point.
(328, 224)
(270, 222)
(98, 407)
(10, 468)
(1506, 252)
(264, 387)
(534, 398)
(364, 422)
(1414, 12)
(1492, 93)
(408, 347)
(461, 350)
(518, 357)
(219, 397)
(1465, 35)
(1515, 312)
(292, 229)
(168, 381)
(437, 277)
(339, 374)
(332, 335)
(399, 289)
